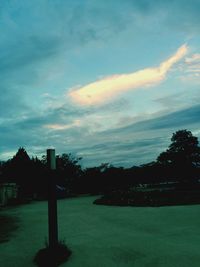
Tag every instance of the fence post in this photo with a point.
(52, 201)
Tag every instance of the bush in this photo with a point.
(153, 198)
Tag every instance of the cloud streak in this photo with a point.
(193, 64)
(59, 127)
(105, 89)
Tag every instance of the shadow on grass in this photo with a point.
(8, 225)
(52, 258)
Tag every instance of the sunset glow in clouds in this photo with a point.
(108, 81)
(106, 88)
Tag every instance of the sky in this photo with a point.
(109, 81)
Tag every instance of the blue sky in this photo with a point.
(109, 81)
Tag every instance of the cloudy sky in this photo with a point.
(109, 81)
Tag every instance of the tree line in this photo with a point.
(180, 164)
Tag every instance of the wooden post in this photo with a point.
(52, 201)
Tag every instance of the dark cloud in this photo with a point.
(30, 50)
(38, 32)
(181, 15)
(173, 120)
(143, 141)
(132, 145)
(125, 153)
(39, 29)
(12, 105)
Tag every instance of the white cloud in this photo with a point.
(105, 89)
(195, 58)
(7, 155)
(58, 127)
(191, 69)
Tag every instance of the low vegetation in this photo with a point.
(155, 198)
(179, 164)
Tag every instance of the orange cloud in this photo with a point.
(106, 88)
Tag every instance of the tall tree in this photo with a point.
(20, 171)
(21, 157)
(68, 169)
(183, 154)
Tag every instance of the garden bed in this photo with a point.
(154, 198)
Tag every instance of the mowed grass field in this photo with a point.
(107, 236)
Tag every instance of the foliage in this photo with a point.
(31, 174)
(180, 162)
(182, 156)
(183, 150)
(152, 198)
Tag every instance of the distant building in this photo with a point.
(8, 191)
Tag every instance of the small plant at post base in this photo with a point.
(46, 257)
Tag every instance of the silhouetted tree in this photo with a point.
(39, 178)
(1, 171)
(21, 157)
(68, 170)
(182, 156)
(18, 169)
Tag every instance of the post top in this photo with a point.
(50, 149)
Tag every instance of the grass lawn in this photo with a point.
(108, 236)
